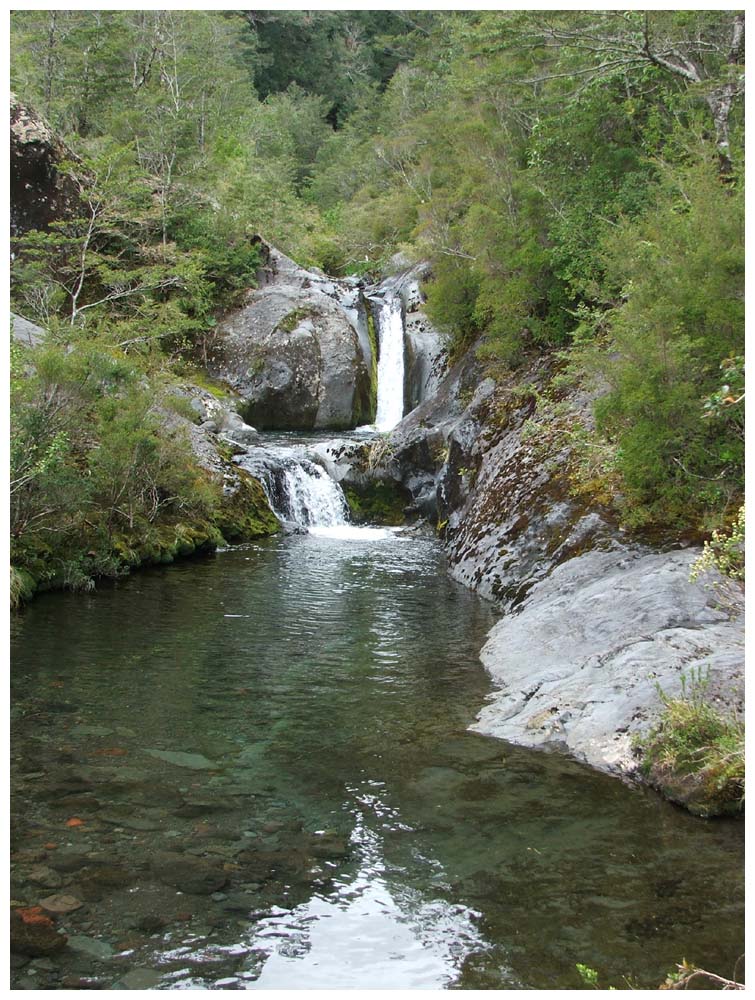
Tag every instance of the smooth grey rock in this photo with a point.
(581, 662)
(194, 761)
(91, 947)
(298, 352)
(140, 979)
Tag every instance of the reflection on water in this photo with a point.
(365, 932)
(268, 755)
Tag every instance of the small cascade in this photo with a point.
(298, 490)
(390, 375)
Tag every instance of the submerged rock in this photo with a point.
(32, 932)
(189, 874)
(194, 761)
(100, 951)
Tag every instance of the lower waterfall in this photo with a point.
(298, 490)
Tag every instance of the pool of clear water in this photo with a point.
(253, 771)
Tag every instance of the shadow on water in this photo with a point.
(268, 755)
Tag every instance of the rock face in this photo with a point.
(299, 352)
(579, 666)
(39, 193)
(592, 621)
(415, 456)
(25, 332)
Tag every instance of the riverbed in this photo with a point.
(253, 771)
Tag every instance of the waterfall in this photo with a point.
(390, 375)
(297, 489)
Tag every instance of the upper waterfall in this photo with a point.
(390, 372)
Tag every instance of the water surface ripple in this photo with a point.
(334, 825)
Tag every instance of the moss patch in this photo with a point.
(290, 321)
(382, 502)
(246, 514)
(239, 517)
(695, 756)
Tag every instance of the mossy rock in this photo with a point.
(245, 514)
(380, 502)
(22, 586)
(700, 792)
(290, 321)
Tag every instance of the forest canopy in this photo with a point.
(574, 178)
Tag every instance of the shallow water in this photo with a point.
(322, 686)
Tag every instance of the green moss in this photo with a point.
(695, 755)
(290, 322)
(382, 502)
(216, 388)
(246, 513)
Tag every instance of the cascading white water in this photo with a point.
(314, 499)
(390, 375)
(297, 489)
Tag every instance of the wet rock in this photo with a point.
(240, 902)
(130, 821)
(299, 351)
(97, 882)
(152, 923)
(45, 964)
(139, 979)
(62, 903)
(68, 861)
(195, 808)
(189, 874)
(580, 664)
(90, 947)
(193, 761)
(44, 876)
(329, 845)
(32, 932)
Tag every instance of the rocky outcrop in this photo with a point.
(580, 665)
(593, 622)
(299, 351)
(26, 332)
(39, 192)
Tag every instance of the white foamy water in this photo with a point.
(297, 489)
(353, 532)
(390, 379)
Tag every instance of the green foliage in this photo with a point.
(724, 552)
(97, 481)
(681, 269)
(693, 738)
(588, 976)
(570, 185)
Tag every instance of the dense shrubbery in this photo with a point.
(575, 179)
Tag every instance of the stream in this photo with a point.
(253, 771)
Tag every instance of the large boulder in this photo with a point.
(39, 192)
(299, 351)
(581, 663)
